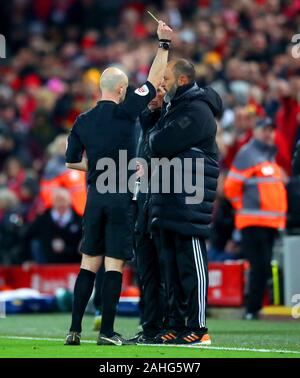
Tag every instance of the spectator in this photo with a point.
(15, 175)
(30, 206)
(57, 175)
(10, 227)
(56, 233)
(241, 133)
(296, 161)
(55, 47)
(287, 114)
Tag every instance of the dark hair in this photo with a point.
(184, 67)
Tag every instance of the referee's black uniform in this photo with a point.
(102, 132)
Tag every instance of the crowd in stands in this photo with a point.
(55, 53)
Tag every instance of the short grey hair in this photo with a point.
(184, 67)
(111, 78)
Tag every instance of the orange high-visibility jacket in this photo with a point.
(255, 187)
(58, 175)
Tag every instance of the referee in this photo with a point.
(107, 224)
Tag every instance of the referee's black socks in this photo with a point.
(82, 292)
(111, 290)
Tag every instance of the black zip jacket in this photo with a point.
(187, 129)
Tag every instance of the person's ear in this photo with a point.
(121, 89)
(183, 80)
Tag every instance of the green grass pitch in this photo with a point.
(43, 336)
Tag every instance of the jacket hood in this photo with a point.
(214, 101)
(206, 94)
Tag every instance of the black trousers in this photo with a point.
(185, 261)
(150, 275)
(257, 247)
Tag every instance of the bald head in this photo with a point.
(60, 194)
(112, 78)
(61, 200)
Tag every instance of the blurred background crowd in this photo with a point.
(56, 50)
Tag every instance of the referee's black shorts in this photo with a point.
(108, 225)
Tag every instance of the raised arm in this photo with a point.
(159, 64)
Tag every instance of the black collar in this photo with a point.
(105, 101)
(182, 89)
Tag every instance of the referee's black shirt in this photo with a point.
(107, 128)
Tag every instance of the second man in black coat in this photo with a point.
(186, 130)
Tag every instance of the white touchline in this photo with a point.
(163, 345)
(227, 348)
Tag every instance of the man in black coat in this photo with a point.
(186, 131)
(57, 231)
(149, 267)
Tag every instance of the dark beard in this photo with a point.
(172, 91)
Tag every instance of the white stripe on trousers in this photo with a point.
(201, 280)
(202, 284)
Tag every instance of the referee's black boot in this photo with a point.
(73, 338)
(115, 339)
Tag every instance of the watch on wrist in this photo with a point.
(163, 44)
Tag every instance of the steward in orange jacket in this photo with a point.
(57, 175)
(255, 188)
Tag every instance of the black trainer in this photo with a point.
(191, 338)
(73, 338)
(165, 337)
(141, 338)
(135, 338)
(115, 339)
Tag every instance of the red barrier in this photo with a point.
(44, 278)
(47, 278)
(226, 284)
(226, 281)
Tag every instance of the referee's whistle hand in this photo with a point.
(164, 31)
